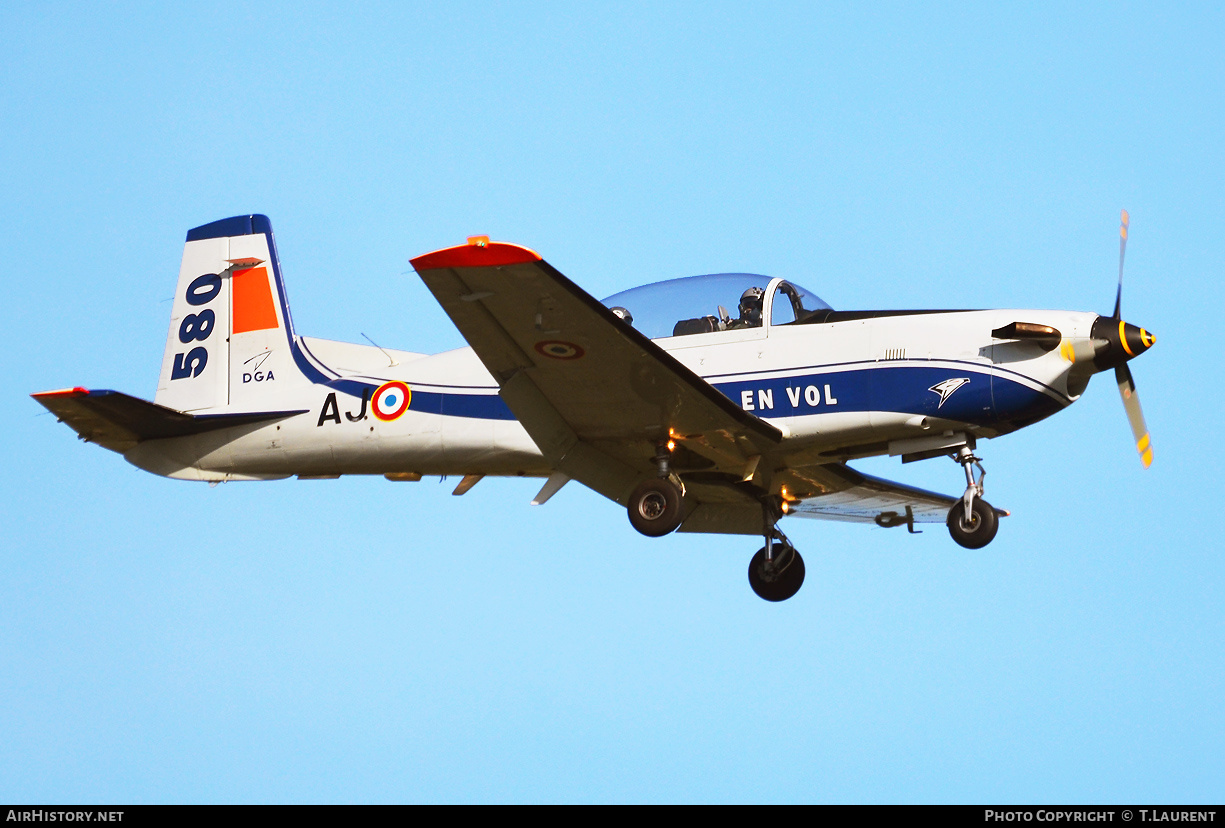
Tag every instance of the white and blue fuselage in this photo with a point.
(840, 390)
(658, 398)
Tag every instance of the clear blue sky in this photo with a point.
(358, 640)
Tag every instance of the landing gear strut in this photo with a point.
(973, 522)
(777, 570)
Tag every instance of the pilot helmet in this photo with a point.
(750, 301)
(623, 313)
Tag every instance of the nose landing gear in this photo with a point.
(973, 522)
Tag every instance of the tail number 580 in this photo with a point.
(196, 327)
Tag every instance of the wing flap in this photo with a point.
(606, 473)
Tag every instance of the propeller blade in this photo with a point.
(1131, 402)
(1118, 297)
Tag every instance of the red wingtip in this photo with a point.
(478, 252)
(63, 392)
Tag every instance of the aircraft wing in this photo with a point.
(594, 394)
(832, 491)
(861, 498)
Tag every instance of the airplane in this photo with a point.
(659, 398)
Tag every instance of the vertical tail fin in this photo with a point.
(230, 344)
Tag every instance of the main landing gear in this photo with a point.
(973, 522)
(655, 505)
(777, 570)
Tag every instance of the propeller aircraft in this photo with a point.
(659, 398)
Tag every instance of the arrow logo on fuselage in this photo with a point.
(261, 357)
(945, 389)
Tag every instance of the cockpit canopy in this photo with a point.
(716, 302)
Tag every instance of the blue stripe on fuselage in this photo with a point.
(481, 406)
(986, 399)
(476, 406)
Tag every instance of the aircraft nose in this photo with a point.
(1118, 342)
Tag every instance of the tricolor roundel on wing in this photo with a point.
(558, 349)
(391, 400)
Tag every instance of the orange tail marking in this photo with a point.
(253, 308)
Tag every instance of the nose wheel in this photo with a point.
(973, 522)
(979, 529)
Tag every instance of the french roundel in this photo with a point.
(391, 400)
(557, 349)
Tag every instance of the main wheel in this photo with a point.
(655, 507)
(981, 528)
(779, 579)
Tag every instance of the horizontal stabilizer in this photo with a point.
(118, 421)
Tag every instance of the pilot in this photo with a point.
(750, 309)
(624, 314)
